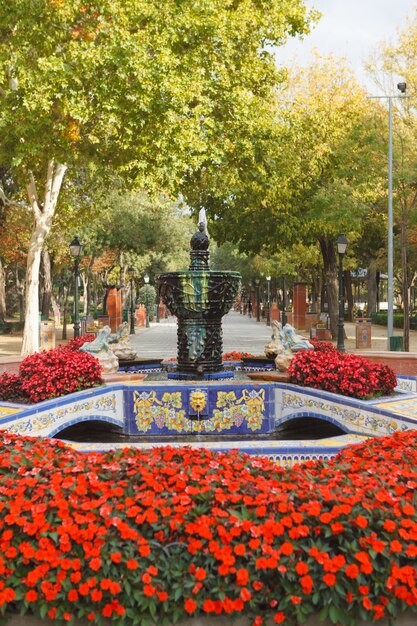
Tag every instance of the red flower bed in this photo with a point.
(52, 373)
(236, 356)
(322, 346)
(155, 536)
(10, 387)
(57, 372)
(345, 374)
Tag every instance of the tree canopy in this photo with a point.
(151, 88)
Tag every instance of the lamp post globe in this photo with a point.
(76, 251)
(341, 249)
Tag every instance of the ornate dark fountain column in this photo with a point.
(199, 298)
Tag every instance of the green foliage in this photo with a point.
(151, 88)
(398, 319)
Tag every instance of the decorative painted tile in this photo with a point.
(407, 407)
(9, 410)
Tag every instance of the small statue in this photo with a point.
(101, 342)
(295, 342)
(200, 240)
(120, 345)
(100, 349)
(276, 344)
(122, 334)
(285, 342)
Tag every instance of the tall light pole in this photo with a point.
(284, 317)
(258, 303)
(146, 280)
(131, 273)
(76, 251)
(402, 87)
(341, 248)
(268, 301)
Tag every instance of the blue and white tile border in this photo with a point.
(112, 404)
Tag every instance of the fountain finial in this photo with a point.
(199, 244)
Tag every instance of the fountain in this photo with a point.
(199, 298)
(197, 408)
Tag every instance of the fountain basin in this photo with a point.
(199, 299)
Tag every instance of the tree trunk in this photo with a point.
(371, 285)
(20, 289)
(64, 311)
(327, 248)
(85, 279)
(347, 281)
(47, 293)
(3, 311)
(315, 293)
(87, 287)
(43, 215)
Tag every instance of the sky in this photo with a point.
(350, 29)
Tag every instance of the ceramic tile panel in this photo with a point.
(352, 416)
(201, 409)
(407, 383)
(49, 418)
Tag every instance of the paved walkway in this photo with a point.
(240, 333)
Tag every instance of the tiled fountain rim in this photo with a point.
(28, 410)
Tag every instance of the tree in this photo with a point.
(149, 89)
(317, 180)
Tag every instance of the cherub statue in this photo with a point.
(101, 350)
(276, 344)
(100, 343)
(295, 342)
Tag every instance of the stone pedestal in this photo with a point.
(299, 305)
(114, 307)
(363, 333)
(47, 335)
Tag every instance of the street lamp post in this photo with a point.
(76, 250)
(131, 273)
(284, 317)
(146, 280)
(268, 301)
(402, 87)
(341, 248)
(258, 303)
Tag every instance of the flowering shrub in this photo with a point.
(155, 536)
(10, 387)
(322, 346)
(75, 344)
(57, 372)
(236, 356)
(346, 374)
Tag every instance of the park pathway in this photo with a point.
(239, 333)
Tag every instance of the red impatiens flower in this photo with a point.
(195, 532)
